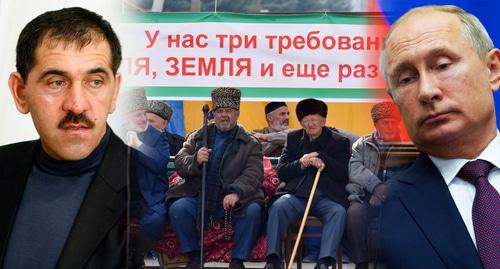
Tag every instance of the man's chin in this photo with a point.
(72, 152)
(282, 127)
(440, 135)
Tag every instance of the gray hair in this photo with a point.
(472, 29)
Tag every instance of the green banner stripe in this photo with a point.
(252, 18)
(357, 93)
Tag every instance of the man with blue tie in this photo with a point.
(443, 212)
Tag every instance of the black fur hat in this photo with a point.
(311, 106)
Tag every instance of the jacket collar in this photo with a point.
(323, 138)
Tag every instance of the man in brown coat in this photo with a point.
(233, 184)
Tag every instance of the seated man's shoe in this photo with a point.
(273, 265)
(236, 264)
(324, 263)
(321, 266)
(312, 257)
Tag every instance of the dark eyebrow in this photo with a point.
(438, 51)
(99, 70)
(56, 72)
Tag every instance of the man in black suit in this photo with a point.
(442, 68)
(64, 196)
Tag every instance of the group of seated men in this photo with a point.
(351, 183)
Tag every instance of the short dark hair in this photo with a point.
(73, 25)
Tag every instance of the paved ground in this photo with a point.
(250, 265)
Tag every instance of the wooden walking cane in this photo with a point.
(304, 218)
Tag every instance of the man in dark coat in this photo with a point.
(233, 184)
(64, 196)
(150, 170)
(307, 150)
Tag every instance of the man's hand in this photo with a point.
(230, 200)
(306, 160)
(379, 194)
(318, 163)
(133, 140)
(260, 136)
(312, 159)
(202, 155)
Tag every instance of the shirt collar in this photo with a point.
(449, 168)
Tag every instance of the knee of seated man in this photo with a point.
(281, 203)
(355, 210)
(178, 207)
(253, 210)
(337, 211)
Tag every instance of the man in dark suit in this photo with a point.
(308, 149)
(64, 196)
(443, 212)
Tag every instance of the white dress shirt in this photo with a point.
(462, 191)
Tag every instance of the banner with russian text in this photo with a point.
(270, 57)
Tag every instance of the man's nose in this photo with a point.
(76, 99)
(428, 89)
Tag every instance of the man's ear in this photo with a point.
(269, 117)
(493, 65)
(17, 89)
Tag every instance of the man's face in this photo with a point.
(388, 129)
(137, 121)
(313, 125)
(278, 119)
(157, 121)
(69, 93)
(441, 86)
(225, 118)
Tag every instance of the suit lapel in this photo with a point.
(16, 165)
(104, 206)
(430, 203)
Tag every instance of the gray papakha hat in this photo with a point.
(159, 108)
(226, 97)
(135, 99)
